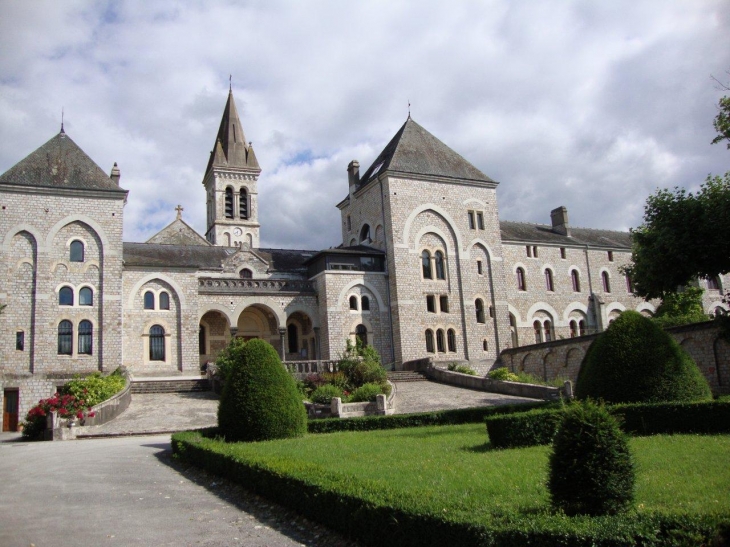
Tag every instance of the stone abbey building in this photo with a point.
(425, 268)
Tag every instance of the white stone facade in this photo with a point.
(426, 268)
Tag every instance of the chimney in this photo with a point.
(353, 173)
(116, 174)
(559, 218)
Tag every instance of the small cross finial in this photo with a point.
(409, 109)
(62, 131)
(230, 82)
(179, 210)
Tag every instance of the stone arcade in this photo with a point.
(425, 268)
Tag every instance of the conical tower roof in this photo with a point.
(415, 151)
(230, 148)
(60, 163)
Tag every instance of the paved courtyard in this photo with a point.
(169, 412)
(128, 491)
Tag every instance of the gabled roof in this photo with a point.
(178, 232)
(415, 151)
(524, 232)
(230, 148)
(60, 163)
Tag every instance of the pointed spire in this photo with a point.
(231, 149)
(62, 131)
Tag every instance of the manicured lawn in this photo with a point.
(454, 469)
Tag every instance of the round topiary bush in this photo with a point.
(591, 469)
(634, 360)
(260, 399)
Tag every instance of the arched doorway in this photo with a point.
(301, 343)
(214, 333)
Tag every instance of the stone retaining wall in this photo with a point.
(562, 358)
(494, 386)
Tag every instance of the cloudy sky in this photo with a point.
(591, 105)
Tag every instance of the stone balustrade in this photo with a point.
(222, 285)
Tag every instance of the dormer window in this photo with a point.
(245, 274)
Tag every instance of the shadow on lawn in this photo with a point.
(479, 448)
(284, 521)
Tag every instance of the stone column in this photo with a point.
(282, 337)
(317, 352)
(234, 331)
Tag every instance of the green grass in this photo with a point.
(454, 467)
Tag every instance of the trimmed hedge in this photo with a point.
(260, 400)
(397, 421)
(375, 514)
(539, 427)
(591, 470)
(635, 361)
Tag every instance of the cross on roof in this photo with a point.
(179, 210)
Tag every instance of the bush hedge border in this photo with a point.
(374, 514)
(441, 417)
(539, 426)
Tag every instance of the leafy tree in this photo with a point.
(684, 236)
(722, 120)
(635, 361)
(681, 308)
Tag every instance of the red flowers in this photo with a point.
(67, 406)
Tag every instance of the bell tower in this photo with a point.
(230, 185)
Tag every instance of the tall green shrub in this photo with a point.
(636, 361)
(590, 469)
(260, 399)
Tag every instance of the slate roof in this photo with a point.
(60, 163)
(204, 257)
(355, 250)
(415, 151)
(542, 233)
(230, 148)
(178, 232)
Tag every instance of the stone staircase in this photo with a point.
(406, 376)
(169, 385)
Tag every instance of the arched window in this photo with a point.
(538, 330)
(76, 252)
(201, 340)
(479, 305)
(164, 301)
(229, 202)
(606, 282)
(65, 337)
(451, 338)
(86, 297)
(429, 341)
(365, 303)
(293, 338)
(149, 300)
(521, 285)
(349, 223)
(361, 332)
(426, 265)
(157, 343)
(549, 280)
(440, 342)
(439, 263)
(573, 328)
(85, 338)
(353, 302)
(513, 331)
(365, 234)
(713, 283)
(582, 327)
(245, 274)
(575, 280)
(548, 329)
(485, 345)
(629, 284)
(243, 204)
(66, 296)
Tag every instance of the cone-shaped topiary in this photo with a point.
(260, 399)
(591, 469)
(634, 360)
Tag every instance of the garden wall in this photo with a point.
(562, 358)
